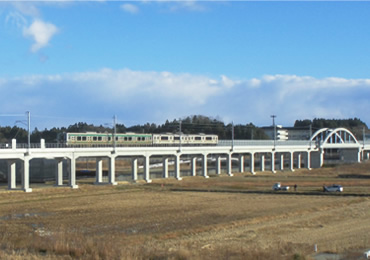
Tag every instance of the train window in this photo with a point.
(130, 138)
(139, 138)
(95, 138)
(78, 138)
(109, 138)
(116, 138)
(84, 138)
(208, 138)
(100, 138)
(177, 138)
(164, 138)
(198, 138)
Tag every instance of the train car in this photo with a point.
(185, 139)
(203, 139)
(94, 139)
(103, 139)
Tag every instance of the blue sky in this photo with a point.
(148, 61)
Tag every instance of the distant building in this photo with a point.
(287, 133)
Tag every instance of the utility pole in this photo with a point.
(29, 129)
(114, 132)
(273, 123)
(232, 135)
(363, 136)
(180, 134)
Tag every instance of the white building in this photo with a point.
(287, 133)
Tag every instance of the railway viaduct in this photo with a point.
(258, 155)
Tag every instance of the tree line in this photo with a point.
(355, 125)
(330, 123)
(190, 125)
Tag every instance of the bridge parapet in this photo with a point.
(264, 143)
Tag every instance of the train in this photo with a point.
(138, 139)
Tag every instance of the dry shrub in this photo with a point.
(73, 245)
(150, 253)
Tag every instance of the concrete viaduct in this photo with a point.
(262, 153)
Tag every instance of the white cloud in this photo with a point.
(178, 5)
(26, 8)
(190, 5)
(127, 84)
(16, 19)
(41, 32)
(130, 8)
(150, 96)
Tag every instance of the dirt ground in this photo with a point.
(217, 218)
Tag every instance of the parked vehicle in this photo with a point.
(333, 188)
(277, 186)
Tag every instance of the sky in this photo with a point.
(149, 61)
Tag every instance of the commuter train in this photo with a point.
(136, 139)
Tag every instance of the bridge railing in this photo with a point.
(264, 143)
(220, 143)
(6, 146)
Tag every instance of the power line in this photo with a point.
(11, 115)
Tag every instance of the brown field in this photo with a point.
(217, 218)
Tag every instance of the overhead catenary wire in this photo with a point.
(11, 115)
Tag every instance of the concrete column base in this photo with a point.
(218, 165)
(194, 166)
(262, 163)
(281, 162)
(273, 163)
(134, 169)
(251, 164)
(165, 168)
(60, 186)
(241, 163)
(12, 175)
(205, 166)
(229, 164)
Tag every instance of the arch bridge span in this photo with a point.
(340, 137)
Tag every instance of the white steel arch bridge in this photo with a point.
(338, 137)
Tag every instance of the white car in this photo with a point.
(334, 187)
(367, 254)
(277, 186)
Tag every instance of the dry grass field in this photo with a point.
(224, 217)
